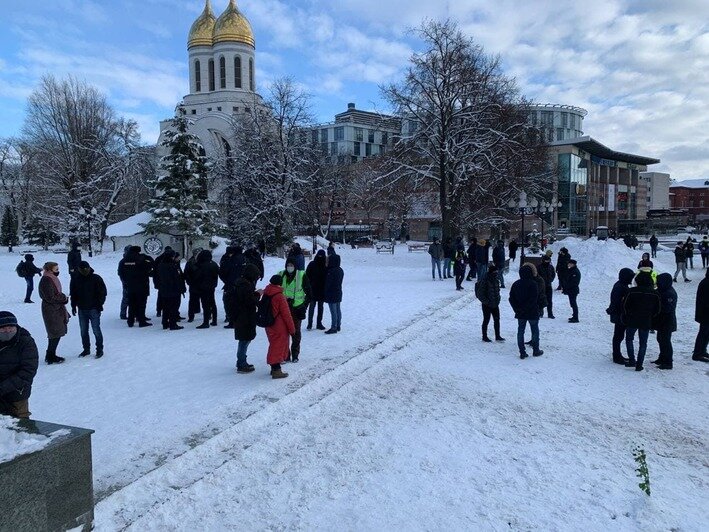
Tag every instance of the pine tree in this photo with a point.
(8, 235)
(37, 233)
(180, 206)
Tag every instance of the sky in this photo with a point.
(640, 67)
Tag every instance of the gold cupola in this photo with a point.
(202, 30)
(232, 26)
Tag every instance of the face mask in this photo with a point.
(7, 336)
(290, 269)
(56, 274)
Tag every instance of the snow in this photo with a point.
(690, 183)
(130, 226)
(405, 420)
(15, 442)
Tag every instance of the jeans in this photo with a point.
(705, 260)
(574, 306)
(494, 313)
(30, 288)
(435, 263)
(446, 268)
(241, 354)
(92, 316)
(664, 342)
(643, 335)
(501, 274)
(482, 271)
(335, 315)
(700, 346)
(521, 327)
(681, 267)
(690, 260)
(311, 312)
(618, 336)
(653, 252)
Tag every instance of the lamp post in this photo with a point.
(89, 216)
(344, 231)
(523, 206)
(315, 235)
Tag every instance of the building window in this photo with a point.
(323, 135)
(367, 150)
(197, 76)
(252, 84)
(533, 118)
(370, 135)
(357, 149)
(547, 119)
(382, 149)
(359, 134)
(385, 138)
(559, 133)
(222, 73)
(564, 119)
(211, 75)
(333, 148)
(572, 122)
(237, 72)
(340, 133)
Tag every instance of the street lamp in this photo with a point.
(523, 206)
(344, 231)
(89, 216)
(315, 235)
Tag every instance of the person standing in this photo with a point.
(27, 270)
(666, 321)
(459, 262)
(435, 251)
(124, 291)
(296, 290)
(448, 253)
(562, 267)
(472, 274)
(73, 259)
(513, 247)
(170, 290)
(54, 311)
(525, 303)
(18, 366)
(541, 293)
(252, 256)
(282, 328)
(231, 269)
(653, 245)
(488, 293)
(296, 253)
(701, 316)
(317, 273)
(244, 311)
(689, 251)
(645, 262)
(167, 252)
(615, 311)
(88, 293)
(641, 307)
(704, 250)
(547, 274)
(193, 306)
(572, 285)
(206, 279)
(333, 294)
(498, 259)
(262, 248)
(482, 258)
(681, 260)
(134, 271)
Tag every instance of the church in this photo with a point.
(222, 75)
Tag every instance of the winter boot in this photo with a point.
(277, 372)
(523, 355)
(246, 369)
(630, 363)
(538, 353)
(665, 366)
(499, 338)
(620, 360)
(321, 327)
(145, 324)
(331, 331)
(86, 352)
(177, 328)
(486, 339)
(700, 358)
(99, 352)
(203, 326)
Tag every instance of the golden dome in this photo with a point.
(232, 26)
(202, 30)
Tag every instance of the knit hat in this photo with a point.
(549, 253)
(7, 319)
(83, 265)
(276, 280)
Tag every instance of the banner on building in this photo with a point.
(610, 202)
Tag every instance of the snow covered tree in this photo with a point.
(8, 235)
(35, 232)
(180, 206)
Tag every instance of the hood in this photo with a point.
(527, 271)
(664, 281)
(320, 259)
(271, 290)
(75, 246)
(626, 275)
(204, 257)
(335, 261)
(29, 257)
(290, 260)
(644, 280)
(251, 273)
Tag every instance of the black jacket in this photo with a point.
(252, 256)
(618, 294)
(667, 319)
(231, 268)
(498, 255)
(680, 254)
(243, 310)
(134, 271)
(546, 272)
(205, 274)
(448, 251)
(653, 242)
(28, 269)
(333, 281)
(172, 283)
(190, 268)
(87, 292)
(524, 295)
(471, 255)
(541, 292)
(562, 265)
(481, 254)
(641, 307)
(18, 366)
(317, 273)
(513, 246)
(73, 259)
(701, 312)
(488, 291)
(572, 281)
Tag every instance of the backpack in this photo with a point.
(479, 290)
(264, 312)
(21, 270)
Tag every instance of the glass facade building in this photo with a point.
(573, 191)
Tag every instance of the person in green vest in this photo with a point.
(296, 289)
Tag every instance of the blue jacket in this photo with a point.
(524, 295)
(333, 281)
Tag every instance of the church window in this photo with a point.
(197, 76)
(251, 75)
(237, 72)
(222, 73)
(211, 75)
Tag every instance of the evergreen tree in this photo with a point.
(8, 235)
(37, 233)
(180, 206)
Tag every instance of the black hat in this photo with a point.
(29, 257)
(277, 280)
(7, 319)
(83, 265)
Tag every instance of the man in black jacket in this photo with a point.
(73, 259)
(231, 268)
(205, 279)
(615, 311)
(28, 270)
(171, 288)
(571, 288)
(681, 260)
(666, 322)
(562, 267)
(547, 274)
(641, 307)
(653, 245)
(134, 271)
(488, 292)
(193, 306)
(18, 366)
(701, 316)
(316, 272)
(525, 303)
(88, 294)
(156, 277)
(243, 311)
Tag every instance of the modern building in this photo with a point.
(222, 61)
(559, 122)
(598, 186)
(692, 195)
(658, 190)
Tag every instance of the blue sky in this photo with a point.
(640, 67)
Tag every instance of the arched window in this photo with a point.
(237, 72)
(197, 76)
(222, 73)
(211, 74)
(251, 75)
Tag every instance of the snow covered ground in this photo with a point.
(404, 421)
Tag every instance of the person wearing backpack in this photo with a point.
(282, 326)
(487, 290)
(665, 323)
(244, 314)
(27, 270)
(296, 289)
(333, 293)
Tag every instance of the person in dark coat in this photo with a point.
(641, 307)
(547, 274)
(681, 261)
(541, 293)
(171, 288)
(28, 270)
(205, 280)
(513, 246)
(473, 272)
(87, 293)
(435, 251)
(482, 258)
(252, 256)
(124, 292)
(73, 258)
(645, 262)
(448, 252)
(498, 259)
(572, 289)
(296, 253)
(615, 311)
(488, 292)
(666, 321)
(333, 294)
(653, 245)
(244, 311)
(459, 262)
(262, 247)
(524, 300)
(18, 366)
(689, 252)
(562, 267)
(316, 273)
(701, 316)
(167, 252)
(134, 271)
(193, 306)
(231, 269)
(54, 312)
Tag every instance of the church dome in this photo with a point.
(202, 30)
(232, 26)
